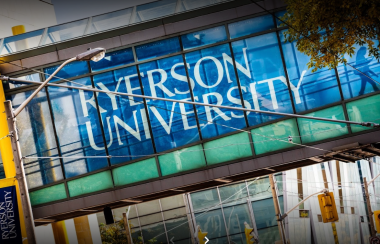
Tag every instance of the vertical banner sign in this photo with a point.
(10, 229)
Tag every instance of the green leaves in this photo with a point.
(326, 30)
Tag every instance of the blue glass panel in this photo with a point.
(158, 48)
(173, 124)
(353, 82)
(310, 89)
(204, 37)
(69, 70)
(262, 77)
(78, 128)
(250, 26)
(37, 139)
(279, 15)
(215, 83)
(113, 59)
(124, 118)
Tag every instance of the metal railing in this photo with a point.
(100, 23)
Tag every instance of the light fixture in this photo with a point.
(95, 54)
(223, 180)
(131, 200)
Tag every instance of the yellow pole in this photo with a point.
(60, 232)
(7, 158)
(21, 44)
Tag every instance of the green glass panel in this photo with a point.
(49, 194)
(139, 171)
(91, 183)
(228, 148)
(364, 110)
(315, 130)
(279, 131)
(182, 160)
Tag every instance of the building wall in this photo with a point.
(33, 14)
(237, 62)
(223, 211)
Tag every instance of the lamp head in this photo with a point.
(95, 54)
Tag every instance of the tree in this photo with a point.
(326, 30)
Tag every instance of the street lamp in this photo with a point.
(95, 54)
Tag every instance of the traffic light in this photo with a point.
(201, 235)
(376, 214)
(328, 207)
(249, 234)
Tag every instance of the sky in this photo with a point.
(69, 10)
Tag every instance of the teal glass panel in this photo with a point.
(236, 217)
(154, 231)
(139, 171)
(91, 183)
(178, 229)
(262, 136)
(182, 160)
(364, 110)
(212, 222)
(260, 189)
(49, 194)
(233, 194)
(228, 148)
(206, 199)
(269, 235)
(316, 130)
(265, 215)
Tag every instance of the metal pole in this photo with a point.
(366, 124)
(20, 174)
(277, 208)
(24, 103)
(370, 213)
(126, 225)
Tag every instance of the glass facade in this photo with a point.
(225, 211)
(236, 64)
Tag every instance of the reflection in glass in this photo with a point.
(262, 77)
(37, 140)
(157, 48)
(178, 229)
(113, 59)
(65, 31)
(215, 83)
(109, 21)
(310, 89)
(361, 81)
(233, 194)
(124, 118)
(235, 217)
(204, 37)
(73, 69)
(173, 124)
(21, 42)
(269, 235)
(250, 26)
(203, 200)
(212, 222)
(153, 230)
(78, 128)
(15, 84)
(155, 10)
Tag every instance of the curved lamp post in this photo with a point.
(95, 54)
